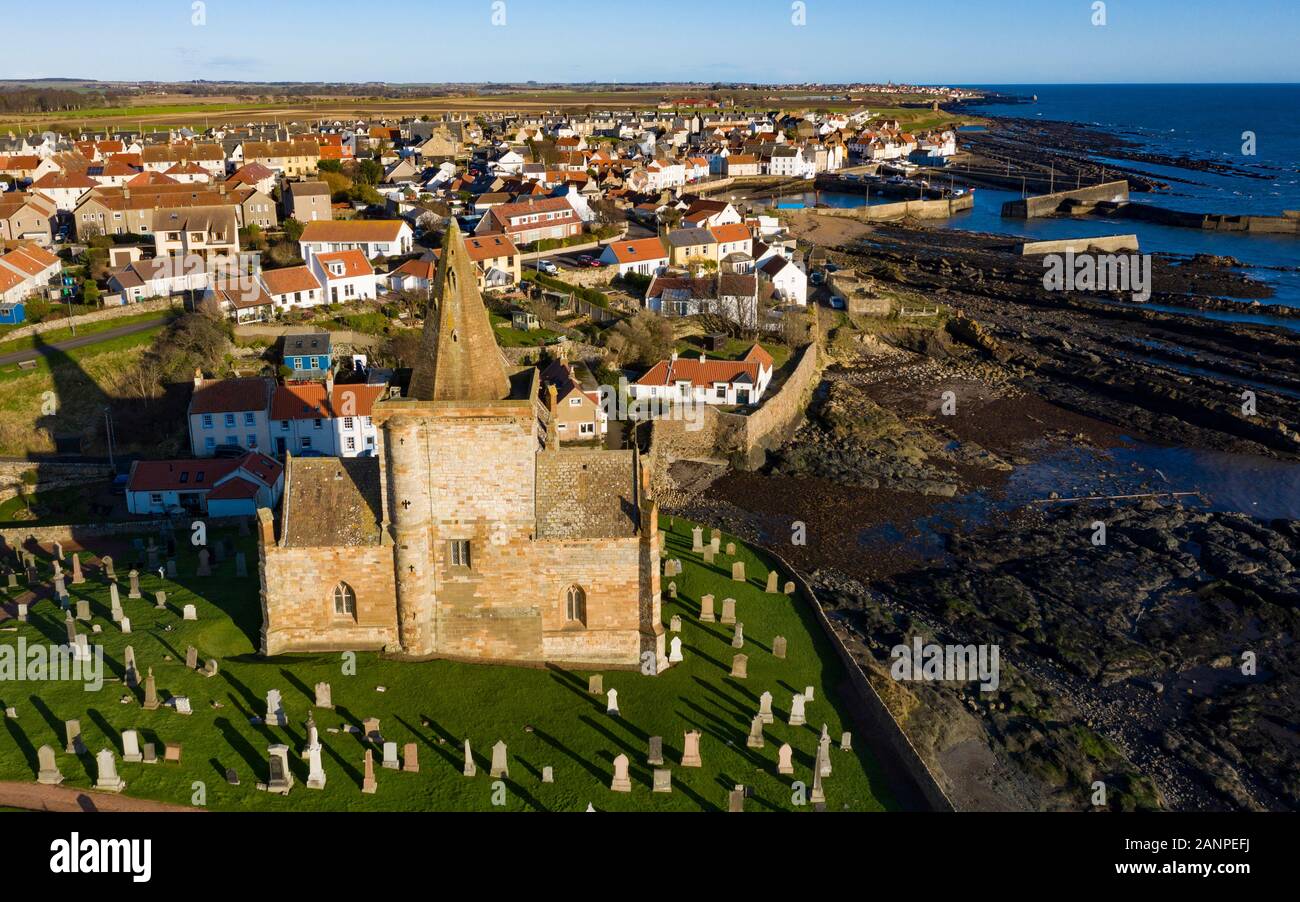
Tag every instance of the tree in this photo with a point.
(90, 293)
(292, 229)
(645, 339)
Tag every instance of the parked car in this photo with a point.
(587, 260)
(837, 302)
(547, 267)
(817, 278)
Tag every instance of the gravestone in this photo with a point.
(611, 702)
(13, 580)
(370, 729)
(182, 704)
(191, 658)
(796, 711)
(150, 754)
(160, 599)
(48, 765)
(715, 534)
(470, 767)
(663, 780)
(621, 782)
(738, 637)
(655, 755)
(808, 694)
(106, 562)
(818, 794)
(706, 609)
(152, 552)
(151, 693)
(755, 739)
(500, 768)
(697, 539)
(736, 799)
(219, 550)
(738, 571)
(134, 577)
(368, 784)
(785, 759)
(691, 749)
(130, 675)
(390, 756)
(410, 758)
(709, 552)
(58, 552)
(232, 777)
(275, 710)
(672, 590)
(771, 582)
(323, 698)
(22, 612)
(315, 772)
(58, 569)
(83, 609)
(731, 549)
(778, 647)
(824, 749)
(846, 741)
(548, 775)
(205, 567)
(74, 745)
(60, 589)
(77, 576)
(740, 666)
(131, 747)
(596, 684)
(765, 707)
(728, 611)
(210, 667)
(70, 626)
(675, 650)
(114, 603)
(189, 612)
(108, 780)
(788, 588)
(241, 565)
(281, 777)
(675, 625)
(125, 624)
(81, 650)
(171, 568)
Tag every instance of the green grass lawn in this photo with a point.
(544, 715)
(63, 334)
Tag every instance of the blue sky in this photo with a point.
(923, 41)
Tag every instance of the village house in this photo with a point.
(160, 277)
(292, 158)
(161, 157)
(373, 237)
(324, 419)
(739, 165)
(308, 201)
(731, 295)
(243, 297)
(643, 256)
(229, 412)
(65, 189)
(216, 488)
(207, 232)
(789, 282)
(345, 275)
(496, 259)
(293, 287)
(309, 354)
(26, 217)
(692, 245)
(578, 414)
(25, 272)
(535, 219)
(703, 381)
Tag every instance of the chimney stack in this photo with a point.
(198, 377)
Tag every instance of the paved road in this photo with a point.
(81, 341)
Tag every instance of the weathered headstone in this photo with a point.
(77, 576)
(818, 794)
(808, 694)
(134, 577)
(738, 637)
(691, 749)
(131, 747)
(706, 609)
(107, 779)
(470, 767)
(160, 599)
(755, 739)
(548, 774)
(189, 612)
(210, 667)
(500, 767)
(788, 588)
(846, 741)
(74, 745)
(368, 782)
(48, 765)
(81, 649)
(205, 566)
(611, 702)
(675, 650)
(323, 696)
(675, 624)
(125, 625)
(171, 753)
(150, 753)
(728, 611)
(824, 748)
(275, 710)
(740, 667)
(390, 756)
(785, 759)
(22, 612)
(736, 799)
(106, 562)
(663, 780)
(13, 580)
(697, 539)
(655, 754)
(778, 647)
(796, 711)
(596, 684)
(410, 758)
(765, 707)
(171, 568)
(70, 626)
(58, 552)
(709, 552)
(232, 777)
(281, 777)
(60, 589)
(770, 588)
(738, 571)
(83, 609)
(182, 704)
(672, 590)
(621, 782)
(731, 549)
(370, 729)
(315, 771)
(191, 658)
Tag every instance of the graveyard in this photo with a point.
(394, 737)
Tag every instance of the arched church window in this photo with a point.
(575, 605)
(345, 601)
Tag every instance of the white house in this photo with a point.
(373, 237)
(704, 381)
(644, 256)
(218, 488)
(230, 412)
(345, 275)
(789, 282)
(324, 419)
(293, 286)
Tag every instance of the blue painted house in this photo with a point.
(12, 313)
(308, 354)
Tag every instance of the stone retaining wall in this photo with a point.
(150, 306)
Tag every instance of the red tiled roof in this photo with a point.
(231, 395)
(308, 401)
(703, 373)
(290, 279)
(354, 264)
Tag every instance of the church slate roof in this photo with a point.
(586, 494)
(332, 502)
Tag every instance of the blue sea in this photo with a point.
(1200, 121)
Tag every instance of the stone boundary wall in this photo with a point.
(1048, 204)
(915, 209)
(150, 306)
(888, 739)
(49, 475)
(525, 257)
(20, 536)
(777, 418)
(1104, 243)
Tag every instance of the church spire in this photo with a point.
(459, 357)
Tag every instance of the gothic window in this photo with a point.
(575, 605)
(458, 552)
(345, 601)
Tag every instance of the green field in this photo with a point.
(544, 715)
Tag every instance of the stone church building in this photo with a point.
(471, 534)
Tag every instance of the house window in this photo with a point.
(345, 601)
(458, 552)
(586, 429)
(207, 421)
(574, 402)
(250, 419)
(351, 443)
(575, 605)
(209, 443)
(347, 423)
(230, 420)
(252, 441)
(232, 440)
(316, 424)
(155, 498)
(284, 425)
(306, 443)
